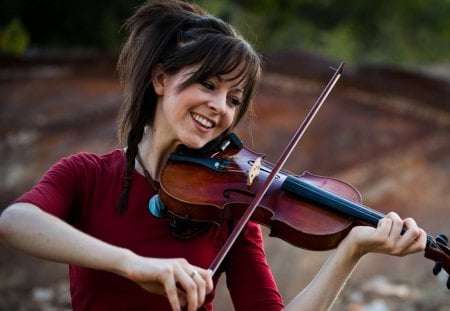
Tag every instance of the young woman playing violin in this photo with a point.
(189, 79)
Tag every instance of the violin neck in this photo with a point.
(299, 187)
(436, 249)
(328, 199)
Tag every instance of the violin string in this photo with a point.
(371, 214)
(375, 216)
(246, 159)
(430, 240)
(237, 171)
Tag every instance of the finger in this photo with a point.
(204, 280)
(172, 293)
(422, 240)
(182, 298)
(408, 237)
(397, 225)
(384, 228)
(418, 244)
(207, 276)
(189, 285)
(201, 287)
(412, 230)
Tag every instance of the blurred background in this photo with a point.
(384, 129)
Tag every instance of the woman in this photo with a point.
(189, 79)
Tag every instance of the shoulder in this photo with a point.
(116, 157)
(74, 180)
(82, 169)
(113, 161)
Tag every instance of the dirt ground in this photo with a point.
(383, 130)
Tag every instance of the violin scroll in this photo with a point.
(438, 251)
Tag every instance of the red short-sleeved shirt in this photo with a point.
(84, 190)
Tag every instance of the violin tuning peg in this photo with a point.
(437, 268)
(442, 238)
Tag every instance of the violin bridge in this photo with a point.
(254, 171)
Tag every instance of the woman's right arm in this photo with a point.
(28, 228)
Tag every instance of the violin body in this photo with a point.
(221, 193)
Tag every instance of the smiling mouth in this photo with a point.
(202, 121)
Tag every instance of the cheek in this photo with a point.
(173, 107)
(233, 117)
(229, 119)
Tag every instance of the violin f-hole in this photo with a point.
(228, 193)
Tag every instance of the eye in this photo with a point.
(234, 101)
(207, 84)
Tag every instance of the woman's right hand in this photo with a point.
(182, 283)
(26, 227)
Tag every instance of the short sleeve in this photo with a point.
(58, 190)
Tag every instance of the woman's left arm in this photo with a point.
(386, 238)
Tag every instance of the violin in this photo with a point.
(232, 182)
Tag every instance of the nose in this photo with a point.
(218, 103)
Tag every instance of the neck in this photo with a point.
(154, 152)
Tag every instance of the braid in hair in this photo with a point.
(134, 137)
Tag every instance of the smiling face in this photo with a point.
(198, 113)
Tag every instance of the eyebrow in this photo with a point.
(237, 86)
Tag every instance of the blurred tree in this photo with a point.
(71, 23)
(400, 31)
(14, 38)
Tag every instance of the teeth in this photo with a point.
(202, 120)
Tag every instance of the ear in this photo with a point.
(158, 79)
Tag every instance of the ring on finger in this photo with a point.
(193, 273)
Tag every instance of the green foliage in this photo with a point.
(14, 38)
(400, 31)
(69, 24)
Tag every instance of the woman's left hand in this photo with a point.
(388, 238)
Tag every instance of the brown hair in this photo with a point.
(175, 34)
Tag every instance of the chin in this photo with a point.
(197, 141)
(194, 144)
